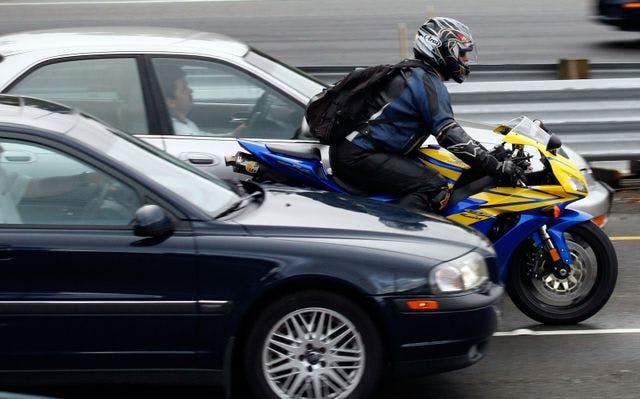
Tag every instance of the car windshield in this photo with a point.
(205, 191)
(294, 77)
(526, 127)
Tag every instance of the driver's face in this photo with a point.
(182, 102)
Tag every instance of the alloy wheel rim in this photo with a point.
(576, 286)
(313, 353)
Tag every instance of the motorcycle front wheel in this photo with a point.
(550, 299)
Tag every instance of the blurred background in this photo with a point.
(354, 32)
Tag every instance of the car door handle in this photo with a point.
(5, 253)
(201, 161)
(199, 158)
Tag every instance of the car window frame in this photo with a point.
(156, 90)
(158, 120)
(146, 195)
(151, 109)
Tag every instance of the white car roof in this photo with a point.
(118, 39)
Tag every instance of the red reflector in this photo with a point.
(600, 220)
(554, 255)
(556, 211)
(420, 304)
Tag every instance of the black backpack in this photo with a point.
(340, 109)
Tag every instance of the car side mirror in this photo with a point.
(152, 221)
(554, 143)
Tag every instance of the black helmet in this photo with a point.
(440, 42)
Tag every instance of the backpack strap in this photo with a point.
(402, 66)
(412, 63)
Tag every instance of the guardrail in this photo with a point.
(598, 118)
(508, 72)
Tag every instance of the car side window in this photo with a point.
(212, 99)
(43, 186)
(108, 88)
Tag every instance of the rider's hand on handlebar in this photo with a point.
(500, 153)
(509, 172)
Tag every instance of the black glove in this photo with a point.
(499, 152)
(510, 173)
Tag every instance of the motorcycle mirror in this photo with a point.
(554, 143)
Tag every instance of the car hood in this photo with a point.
(338, 219)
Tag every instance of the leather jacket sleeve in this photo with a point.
(457, 141)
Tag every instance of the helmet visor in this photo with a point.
(466, 53)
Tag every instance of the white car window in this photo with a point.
(108, 88)
(41, 186)
(211, 99)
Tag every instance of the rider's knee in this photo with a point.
(440, 200)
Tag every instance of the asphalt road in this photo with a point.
(597, 358)
(353, 32)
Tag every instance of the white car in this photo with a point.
(114, 73)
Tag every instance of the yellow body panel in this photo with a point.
(564, 169)
(472, 216)
(511, 199)
(445, 157)
(442, 155)
(519, 199)
(498, 200)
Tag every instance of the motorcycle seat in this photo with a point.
(306, 153)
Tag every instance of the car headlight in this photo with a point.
(462, 274)
(577, 185)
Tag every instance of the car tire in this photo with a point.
(313, 344)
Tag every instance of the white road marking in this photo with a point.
(526, 331)
(83, 2)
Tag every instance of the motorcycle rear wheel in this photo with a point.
(551, 300)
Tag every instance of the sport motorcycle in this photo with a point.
(557, 265)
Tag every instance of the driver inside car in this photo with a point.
(178, 97)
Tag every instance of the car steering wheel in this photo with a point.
(260, 110)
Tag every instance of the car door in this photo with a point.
(107, 87)
(226, 103)
(78, 289)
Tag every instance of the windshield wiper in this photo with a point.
(241, 203)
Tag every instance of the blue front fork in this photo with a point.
(535, 226)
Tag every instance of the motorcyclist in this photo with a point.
(378, 157)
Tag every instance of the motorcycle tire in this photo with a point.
(552, 300)
(313, 344)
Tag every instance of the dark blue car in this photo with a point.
(119, 262)
(624, 14)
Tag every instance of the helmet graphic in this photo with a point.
(441, 42)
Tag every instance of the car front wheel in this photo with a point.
(313, 344)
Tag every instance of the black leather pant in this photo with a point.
(419, 187)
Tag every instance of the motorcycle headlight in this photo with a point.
(577, 185)
(462, 274)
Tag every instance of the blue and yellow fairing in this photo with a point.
(482, 208)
